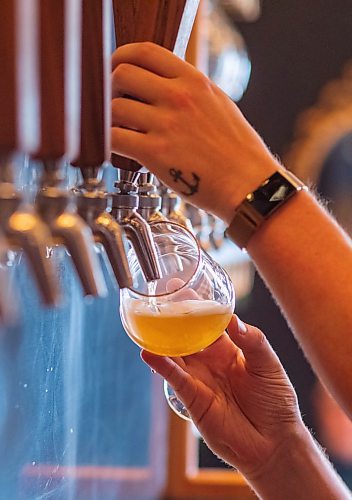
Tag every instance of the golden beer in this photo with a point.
(175, 328)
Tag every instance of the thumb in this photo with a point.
(258, 353)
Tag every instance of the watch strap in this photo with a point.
(260, 204)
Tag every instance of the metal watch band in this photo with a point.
(261, 203)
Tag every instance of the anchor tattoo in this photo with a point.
(178, 177)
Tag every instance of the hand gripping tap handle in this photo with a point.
(94, 148)
(19, 134)
(167, 23)
(59, 75)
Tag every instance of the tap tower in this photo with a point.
(169, 24)
(94, 149)
(59, 76)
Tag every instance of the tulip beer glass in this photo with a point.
(188, 308)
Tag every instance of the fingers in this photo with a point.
(175, 285)
(138, 83)
(172, 370)
(132, 114)
(151, 57)
(257, 351)
(124, 141)
(162, 364)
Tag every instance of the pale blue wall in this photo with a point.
(73, 388)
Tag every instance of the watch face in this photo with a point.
(271, 194)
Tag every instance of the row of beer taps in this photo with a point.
(157, 202)
(55, 109)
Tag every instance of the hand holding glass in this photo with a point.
(188, 308)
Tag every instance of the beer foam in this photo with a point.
(170, 309)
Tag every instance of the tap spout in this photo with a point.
(108, 232)
(69, 229)
(140, 236)
(124, 210)
(171, 208)
(8, 310)
(8, 304)
(91, 206)
(25, 229)
(149, 208)
(149, 201)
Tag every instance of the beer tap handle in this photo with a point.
(8, 96)
(95, 119)
(18, 92)
(59, 75)
(166, 23)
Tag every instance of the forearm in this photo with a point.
(298, 470)
(306, 260)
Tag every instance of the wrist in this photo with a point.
(297, 469)
(261, 204)
(237, 188)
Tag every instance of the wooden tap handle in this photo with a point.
(165, 22)
(96, 89)
(8, 94)
(18, 92)
(59, 50)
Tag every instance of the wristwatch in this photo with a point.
(259, 205)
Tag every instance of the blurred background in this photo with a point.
(299, 100)
(81, 417)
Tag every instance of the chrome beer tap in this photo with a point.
(124, 210)
(25, 230)
(59, 36)
(150, 209)
(171, 207)
(55, 205)
(91, 198)
(92, 202)
(149, 206)
(19, 223)
(200, 224)
(217, 231)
